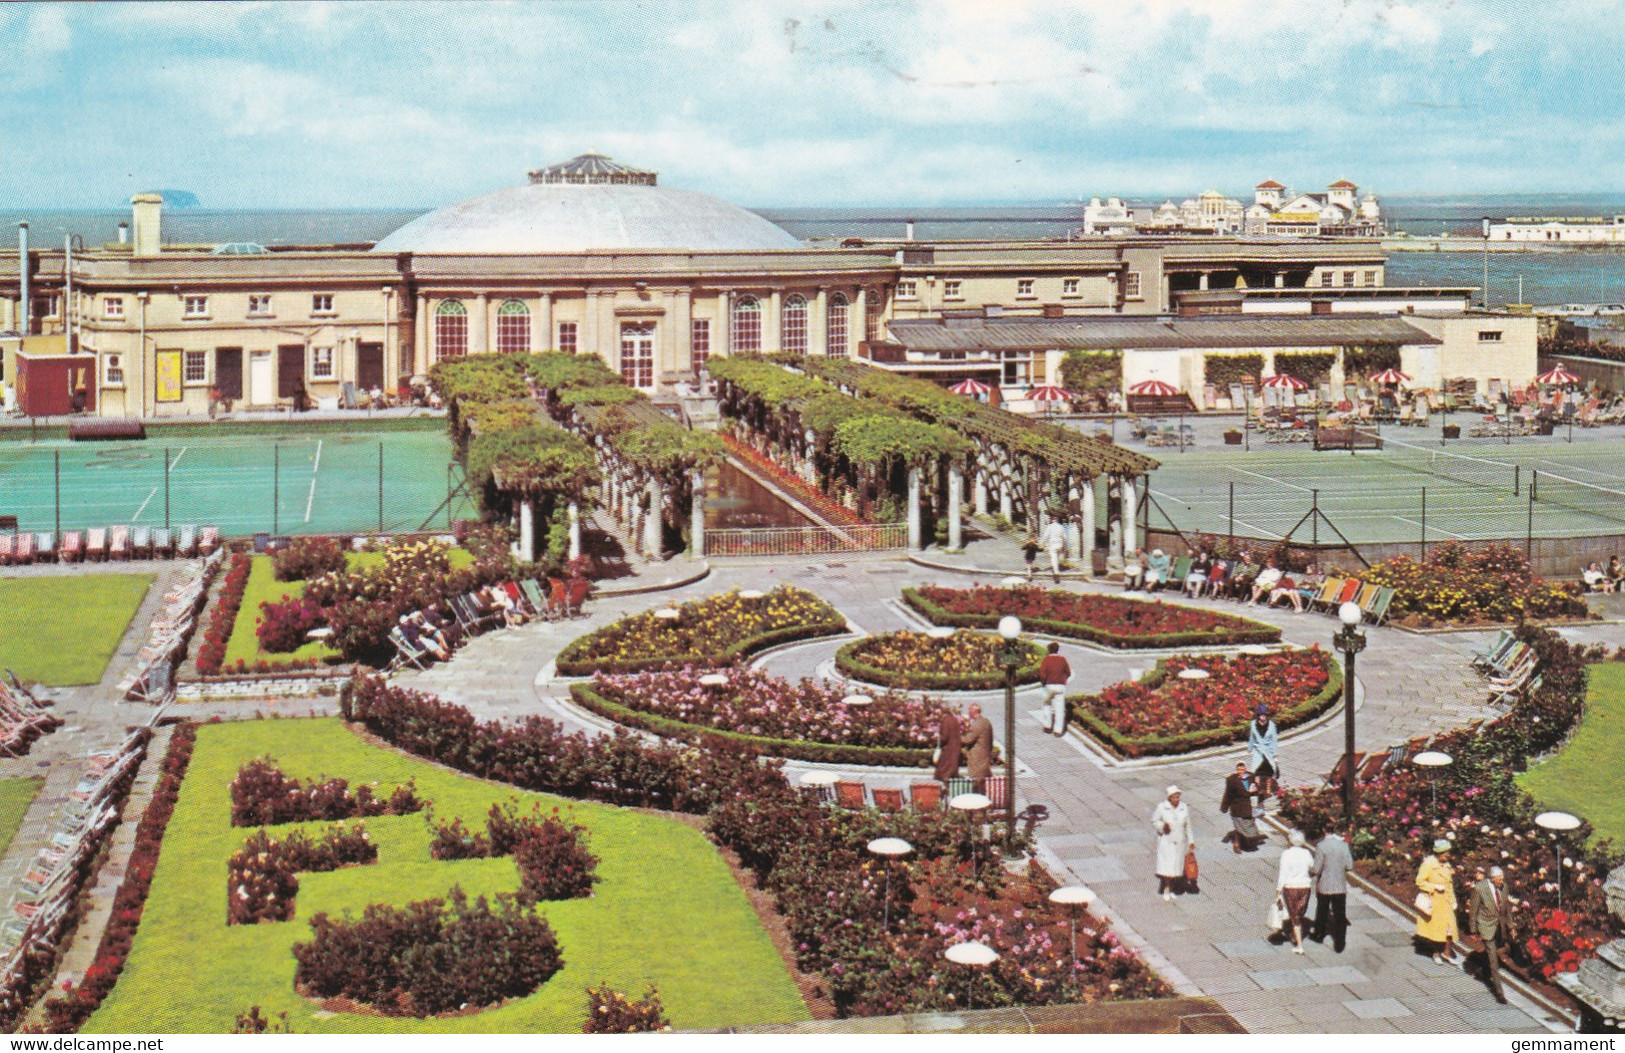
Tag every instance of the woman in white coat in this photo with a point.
(1171, 822)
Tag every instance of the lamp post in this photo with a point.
(1433, 760)
(888, 849)
(1010, 629)
(1350, 639)
(974, 955)
(1074, 898)
(1556, 823)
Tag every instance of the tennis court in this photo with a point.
(298, 478)
(1534, 488)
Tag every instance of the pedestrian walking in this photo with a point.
(1292, 884)
(1263, 743)
(1054, 542)
(1436, 903)
(1054, 672)
(1029, 553)
(949, 732)
(1489, 918)
(1171, 822)
(1237, 802)
(977, 742)
(1331, 867)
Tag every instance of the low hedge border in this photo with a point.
(1126, 748)
(1077, 631)
(790, 749)
(923, 681)
(566, 666)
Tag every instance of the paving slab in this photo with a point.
(1377, 1008)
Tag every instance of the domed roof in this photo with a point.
(589, 202)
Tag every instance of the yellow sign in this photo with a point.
(169, 376)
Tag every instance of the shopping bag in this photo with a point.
(1275, 917)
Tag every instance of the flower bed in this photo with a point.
(1457, 585)
(811, 858)
(965, 661)
(803, 721)
(1163, 714)
(67, 1012)
(1490, 820)
(223, 616)
(1113, 621)
(262, 796)
(262, 877)
(429, 957)
(715, 631)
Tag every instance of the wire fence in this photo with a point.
(800, 541)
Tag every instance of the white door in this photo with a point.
(261, 379)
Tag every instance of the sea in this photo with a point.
(1595, 276)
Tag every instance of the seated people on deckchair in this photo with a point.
(1286, 589)
(1133, 570)
(1196, 577)
(448, 631)
(418, 637)
(1266, 582)
(1595, 579)
(1156, 570)
(503, 604)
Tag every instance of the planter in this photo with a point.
(912, 661)
(1452, 431)
(1232, 437)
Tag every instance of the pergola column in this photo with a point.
(1074, 534)
(956, 484)
(652, 525)
(575, 530)
(1007, 507)
(1131, 501)
(525, 547)
(979, 490)
(541, 323)
(420, 338)
(1087, 553)
(914, 530)
(696, 515)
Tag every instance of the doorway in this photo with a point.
(228, 373)
(261, 379)
(369, 366)
(290, 371)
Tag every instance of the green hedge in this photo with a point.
(567, 666)
(922, 681)
(791, 749)
(1126, 747)
(1074, 630)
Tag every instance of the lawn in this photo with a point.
(63, 630)
(15, 797)
(1585, 777)
(264, 588)
(667, 910)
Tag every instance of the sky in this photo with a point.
(796, 103)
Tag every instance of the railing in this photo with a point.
(799, 541)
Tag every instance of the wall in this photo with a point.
(1512, 359)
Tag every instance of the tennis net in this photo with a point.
(1458, 467)
(1587, 498)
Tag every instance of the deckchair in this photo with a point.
(163, 543)
(997, 788)
(534, 596)
(24, 552)
(8, 548)
(208, 540)
(73, 547)
(925, 796)
(1483, 659)
(118, 542)
(1351, 589)
(851, 795)
(96, 544)
(887, 800)
(186, 541)
(1366, 596)
(577, 595)
(141, 542)
(405, 653)
(1378, 610)
(1180, 570)
(45, 547)
(1374, 763)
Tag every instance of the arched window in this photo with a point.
(835, 326)
(872, 330)
(747, 326)
(513, 328)
(450, 330)
(793, 329)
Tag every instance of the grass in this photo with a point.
(15, 797)
(667, 911)
(1584, 777)
(263, 587)
(63, 630)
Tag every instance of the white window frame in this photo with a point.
(259, 305)
(908, 289)
(320, 357)
(194, 307)
(1026, 288)
(113, 308)
(795, 324)
(952, 289)
(113, 369)
(1326, 279)
(316, 301)
(1132, 289)
(1348, 279)
(699, 342)
(1071, 286)
(1371, 280)
(189, 357)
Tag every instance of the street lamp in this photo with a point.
(1351, 641)
(974, 955)
(1074, 898)
(1556, 823)
(1010, 629)
(1433, 760)
(888, 849)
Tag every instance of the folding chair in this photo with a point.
(888, 800)
(96, 544)
(577, 595)
(186, 541)
(208, 539)
(141, 542)
(997, 788)
(958, 785)
(1329, 591)
(118, 542)
(851, 795)
(1340, 770)
(1373, 766)
(925, 796)
(534, 596)
(24, 552)
(8, 548)
(405, 653)
(1378, 610)
(1180, 570)
(1487, 657)
(1366, 596)
(1351, 589)
(45, 547)
(163, 543)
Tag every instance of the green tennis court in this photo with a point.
(1473, 491)
(298, 478)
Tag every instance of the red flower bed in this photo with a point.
(1114, 621)
(813, 498)
(1164, 713)
(224, 615)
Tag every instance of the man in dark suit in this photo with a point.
(1331, 867)
(1488, 918)
(948, 742)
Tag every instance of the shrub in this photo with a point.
(611, 1013)
(1460, 585)
(254, 1022)
(261, 795)
(285, 626)
(430, 957)
(552, 859)
(309, 557)
(262, 876)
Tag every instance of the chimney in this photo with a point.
(27, 305)
(146, 215)
(908, 230)
(123, 233)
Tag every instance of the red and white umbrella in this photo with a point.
(1153, 387)
(1558, 377)
(1284, 380)
(1050, 393)
(1390, 376)
(970, 387)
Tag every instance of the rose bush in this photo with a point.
(223, 616)
(1164, 713)
(308, 557)
(609, 1012)
(549, 851)
(717, 630)
(1113, 621)
(965, 661)
(262, 796)
(1458, 585)
(262, 877)
(285, 625)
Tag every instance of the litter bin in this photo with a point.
(262, 541)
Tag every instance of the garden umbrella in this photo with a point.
(1050, 393)
(1284, 380)
(970, 387)
(1153, 387)
(1390, 376)
(1558, 377)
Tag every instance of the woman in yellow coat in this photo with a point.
(1437, 880)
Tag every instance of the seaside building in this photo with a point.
(1567, 231)
(1339, 212)
(595, 256)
